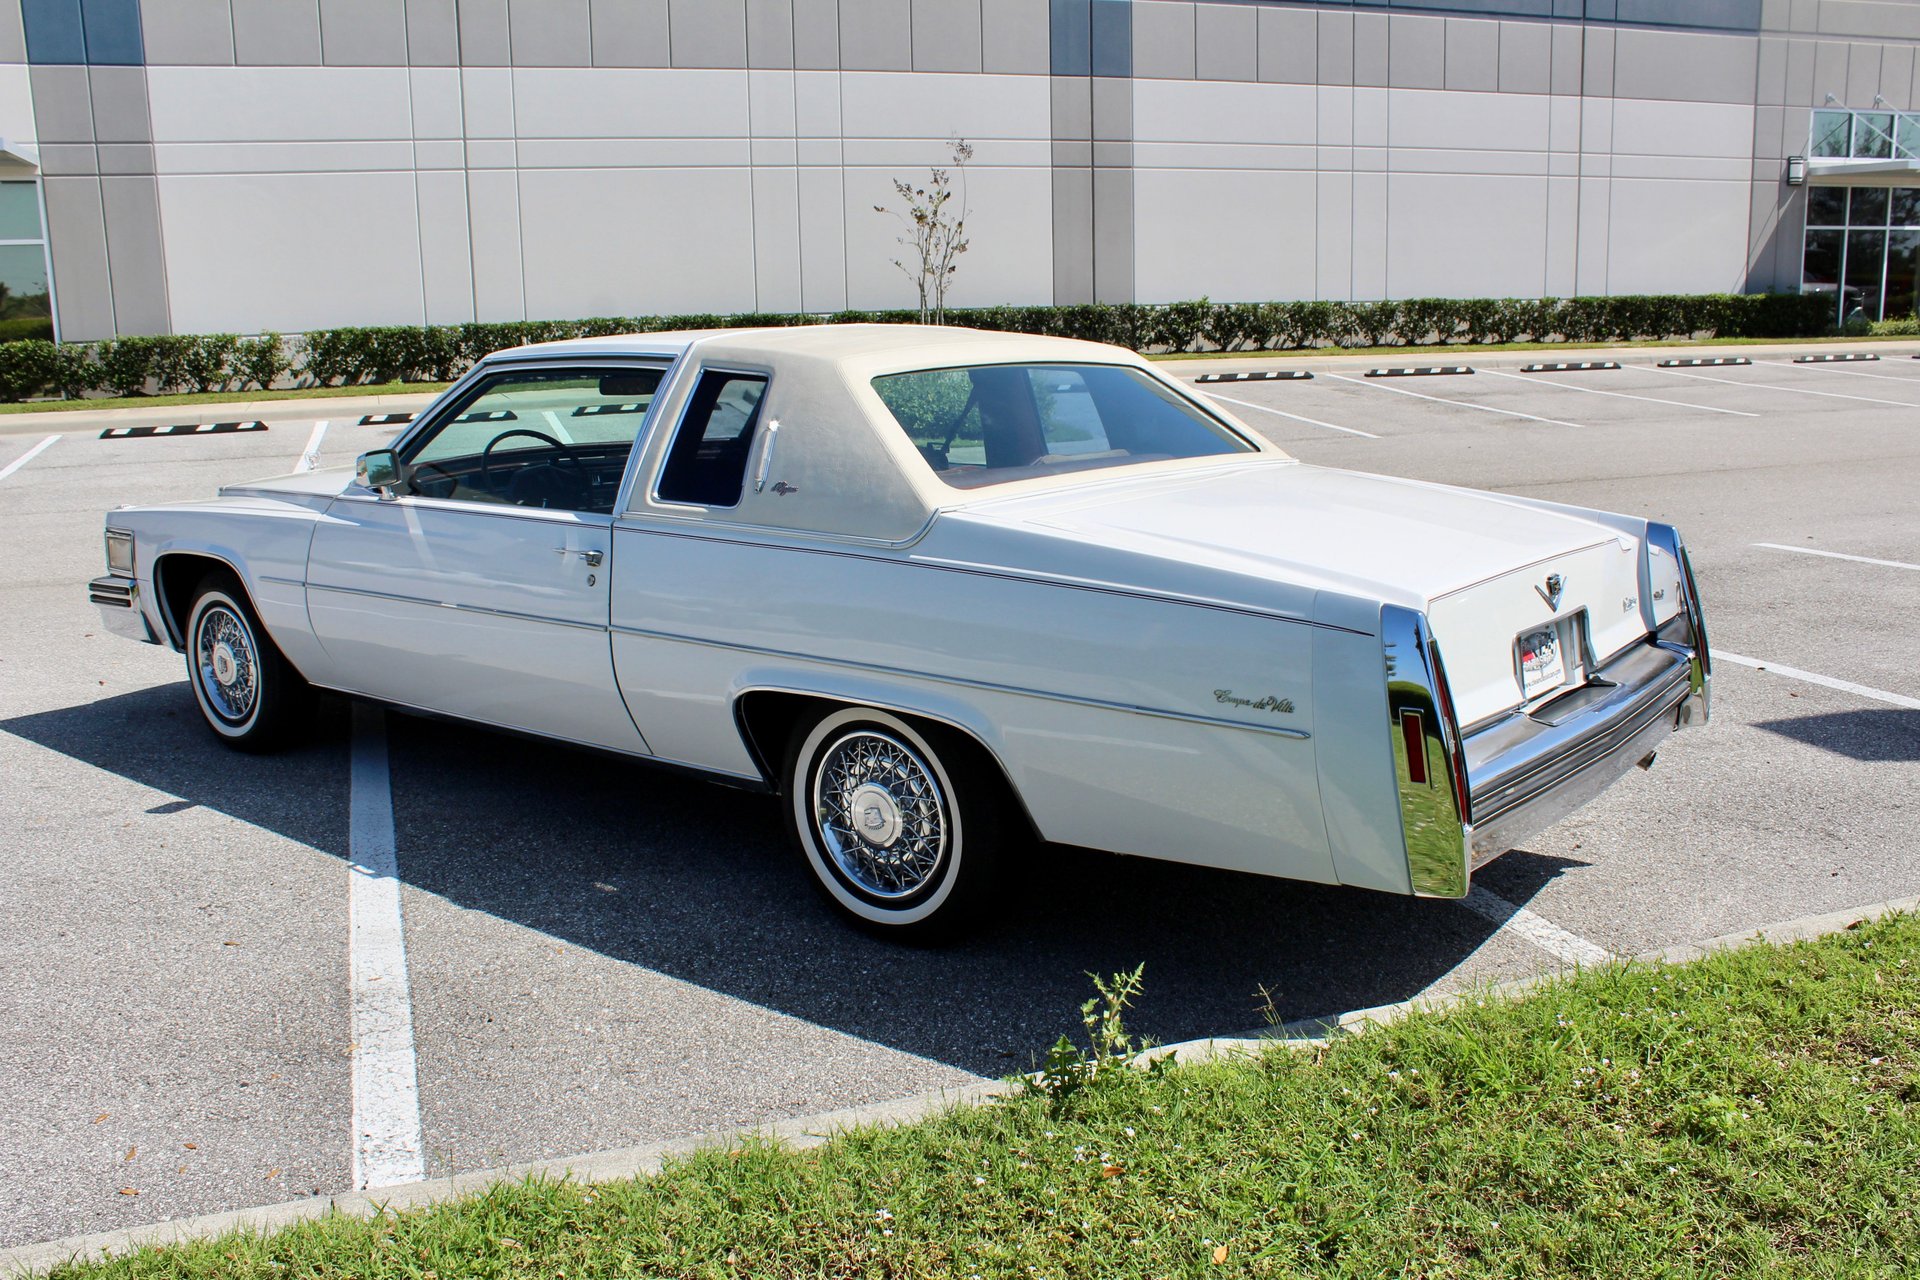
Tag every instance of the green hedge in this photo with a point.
(407, 353)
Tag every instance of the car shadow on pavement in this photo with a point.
(696, 881)
(1873, 736)
(155, 737)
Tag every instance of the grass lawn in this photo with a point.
(1756, 1113)
(224, 397)
(1413, 352)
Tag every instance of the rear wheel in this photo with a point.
(899, 824)
(249, 695)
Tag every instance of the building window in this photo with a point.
(1861, 247)
(26, 302)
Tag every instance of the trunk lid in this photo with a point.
(1477, 563)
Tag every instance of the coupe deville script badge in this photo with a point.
(1551, 592)
(1281, 706)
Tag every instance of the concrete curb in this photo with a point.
(812, 1131)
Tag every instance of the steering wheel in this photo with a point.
(563, 453)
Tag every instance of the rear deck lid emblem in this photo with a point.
(1551, 592)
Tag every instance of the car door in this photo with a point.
(479, 588)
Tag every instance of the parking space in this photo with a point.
(599, 956)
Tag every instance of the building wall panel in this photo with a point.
(1259, 243)
(1677, 235)
(276, 33)
(131, 206)
(77, 239)
(361, 225)
(363, 33)
(446, 248)
(1467, 235)
(186, 32)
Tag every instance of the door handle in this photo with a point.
(593, 558)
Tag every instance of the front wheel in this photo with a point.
(899, 825)
(250, 695)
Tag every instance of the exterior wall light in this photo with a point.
(1796, 171)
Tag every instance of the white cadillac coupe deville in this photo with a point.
(944, 591)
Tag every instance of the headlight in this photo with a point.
(120, 552)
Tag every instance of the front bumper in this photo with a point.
(118, 600)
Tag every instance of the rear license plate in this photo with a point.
(1542, 660)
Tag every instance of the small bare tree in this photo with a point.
(935, 235)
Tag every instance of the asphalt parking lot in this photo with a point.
(600, 956)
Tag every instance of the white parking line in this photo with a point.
(311, 458)
(1537, 929)
(1464, 404)
(1851, 373)
(1622, 395)
(386, 1090)
(1837, 555)
(1792, 391)
(27, 457)
(1811, 677)
(1312, 422)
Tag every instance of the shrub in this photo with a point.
(440, 353)
(260, 361)
(72, 373)
(27, 367)
(126, 364)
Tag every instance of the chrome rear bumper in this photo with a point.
(1468, 797)
(1526, 772)
(118, 600)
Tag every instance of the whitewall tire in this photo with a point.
(249, 695)
(898, 823)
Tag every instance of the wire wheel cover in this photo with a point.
(228, 667)
(880, 814)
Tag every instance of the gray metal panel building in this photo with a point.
(201, 165)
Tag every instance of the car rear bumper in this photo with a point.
(1528, 771)
(118, 600)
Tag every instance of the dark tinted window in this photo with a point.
(708, 461)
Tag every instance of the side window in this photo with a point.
(557, 439)
(707, 463)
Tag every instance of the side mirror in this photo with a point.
(378, 469)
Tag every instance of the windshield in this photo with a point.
(993, 423)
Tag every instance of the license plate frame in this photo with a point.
(1549, 658)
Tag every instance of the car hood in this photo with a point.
(326, 482)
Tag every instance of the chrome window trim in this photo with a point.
(497, 510)
(694, 510)
(1437, 836)
(433, 416)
